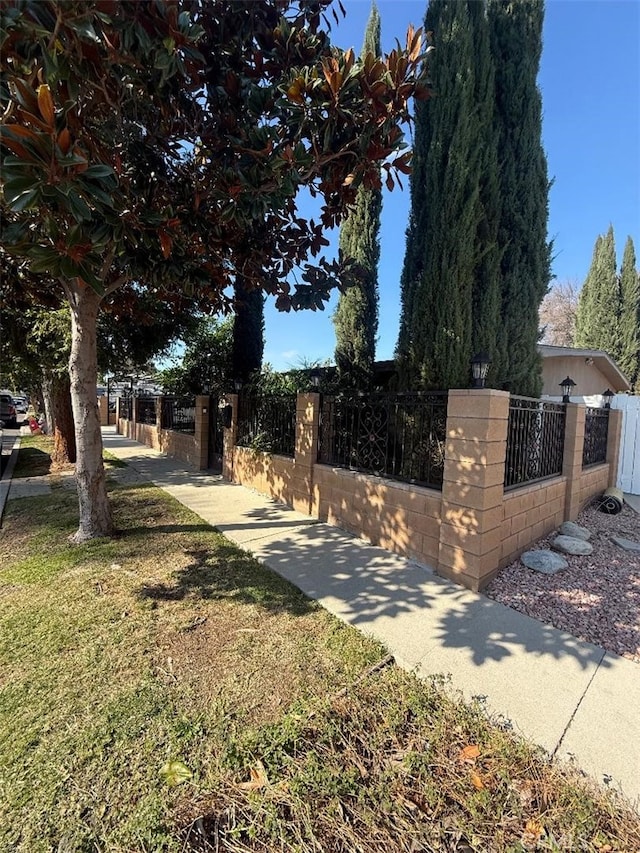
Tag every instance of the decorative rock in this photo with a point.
(544, 561)
(570, 545)
(627, 544)
(570, 528)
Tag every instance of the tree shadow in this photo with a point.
(406, 605)
(229, 574)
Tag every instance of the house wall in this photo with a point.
(588, 378)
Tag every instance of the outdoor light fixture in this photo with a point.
(567, 386)
(314, 376)
(237, 384)
(608, 397)
(479, 368)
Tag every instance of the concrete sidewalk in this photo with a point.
(571, 697)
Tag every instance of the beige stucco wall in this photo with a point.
(588, 378)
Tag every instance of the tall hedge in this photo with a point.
(477, 260)
(356, 316)
(516, 47)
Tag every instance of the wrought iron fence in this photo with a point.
(126, 408)
(146, 410)
(179, 414)
(596, 434)
(535, 441)
(267, 423)
(400, 436)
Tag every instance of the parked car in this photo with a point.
(8, 410)
(21, 405)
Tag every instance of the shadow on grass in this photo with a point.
(129, 532)
(32, 462)
(226, 573)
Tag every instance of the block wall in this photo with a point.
(529, 514)
(467, 532)
(402, 518)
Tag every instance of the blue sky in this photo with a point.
(590, 83)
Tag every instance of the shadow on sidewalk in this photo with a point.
(375, 586)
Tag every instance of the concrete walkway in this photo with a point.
(573, 698)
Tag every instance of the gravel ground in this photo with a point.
(597, 598)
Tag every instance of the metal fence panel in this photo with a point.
(596, 434)
(535, 441)
(399, 436)
(179, 414)
(146, 410)
(267, 423)
(126, 408)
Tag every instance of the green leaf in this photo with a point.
(79, 208)
(85, 28)
(98, 171)
(16, 186)
(175, 772)
(25, 200)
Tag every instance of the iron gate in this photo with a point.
(216, 442)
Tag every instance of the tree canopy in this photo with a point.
(163, 144)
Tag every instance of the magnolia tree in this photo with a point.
(160, 146)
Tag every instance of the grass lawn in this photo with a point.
(161, 691)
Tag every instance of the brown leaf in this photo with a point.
(294, 92)
(258, 779)
(165, 243)
(45, 104)
(64, 140)
(476, 781)
(469, 753)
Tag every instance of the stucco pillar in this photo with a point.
(572, 459)
(473, 486)
(306, 450)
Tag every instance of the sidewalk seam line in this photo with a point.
(575, 710)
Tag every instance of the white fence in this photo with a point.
(629, 467)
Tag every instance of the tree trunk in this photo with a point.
(95, 512)
(47, 385)
(64, 440)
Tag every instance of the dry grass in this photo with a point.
(168, 644)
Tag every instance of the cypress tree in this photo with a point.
(586, 297)
(630, 315)
(516, 47)
(486, 301)
(248, 331)
(608, 301)
(437, 283)
(599, 308)
(356, 316)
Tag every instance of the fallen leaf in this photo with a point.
(258, 779)
(532, 831)
(476, 781)
(469, 753)
(175, 772)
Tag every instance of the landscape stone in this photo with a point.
(570, 528)
(627, 544)
(544, 561)
(571, 545)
